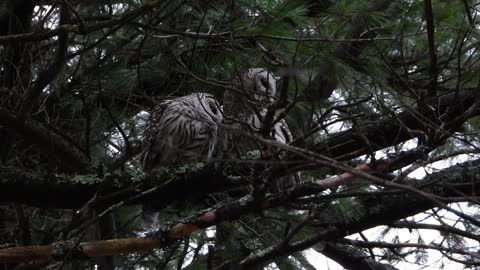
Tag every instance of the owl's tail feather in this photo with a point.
(150, 219)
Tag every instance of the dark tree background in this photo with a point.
(372, 91)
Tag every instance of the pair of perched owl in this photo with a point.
(185, 129)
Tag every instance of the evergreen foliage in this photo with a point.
(372, 91)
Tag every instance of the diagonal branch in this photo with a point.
(388, 132)
(411, 245)
(350, 258)
(442, 228)
(49, 142)
(373, 211)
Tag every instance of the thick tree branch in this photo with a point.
(79, 188)
(73, 191)
(388, 132)
(377, 211)
(372, 211)
(350, 258)
(441, 228)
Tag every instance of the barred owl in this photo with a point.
(253, 92)
(246, 105)
(181, 130)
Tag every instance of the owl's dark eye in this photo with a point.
(213, 107)
(264, 82)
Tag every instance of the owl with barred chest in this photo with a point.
(246, 105)
(181, 130)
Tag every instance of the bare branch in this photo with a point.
(64, 152)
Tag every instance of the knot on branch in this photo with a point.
(61, 249)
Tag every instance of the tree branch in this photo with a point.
(410, 245)
(80, 28)
(47, 76)
(371, 210)
(64, 153)
(347, 144)
(350, 258)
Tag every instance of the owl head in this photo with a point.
(209, 107)
(254, 90)
(259, 85)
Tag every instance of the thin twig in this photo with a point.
(432, 91)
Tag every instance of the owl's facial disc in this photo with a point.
(214, 108)
(264, 82)
(264, 88)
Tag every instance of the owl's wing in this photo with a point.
(282, 132)
(156, 137)
(199, 140)
(284, 135)
(212, 143)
